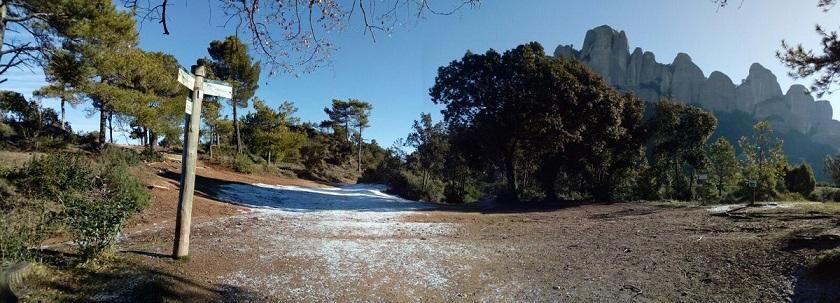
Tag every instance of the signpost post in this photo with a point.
(192, 122)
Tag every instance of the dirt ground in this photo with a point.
(624, 252)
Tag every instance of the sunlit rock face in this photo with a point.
(607, 52)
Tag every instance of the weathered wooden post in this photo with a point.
(192, 123)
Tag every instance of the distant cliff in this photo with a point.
(607, 52)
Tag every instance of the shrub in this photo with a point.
(96, 219)
(409, 186)
(26, 223)
(243, 164)
(800, 179)
(825, 194)
(93, 199)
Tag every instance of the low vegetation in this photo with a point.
(88, 199)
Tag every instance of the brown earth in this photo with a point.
(625, 252)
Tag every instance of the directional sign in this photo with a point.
(186, 78)
(210, 87)
(188, 108)
(217, 88)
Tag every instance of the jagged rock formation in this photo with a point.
(607, 52)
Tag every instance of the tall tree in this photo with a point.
(41, 25)
(832, 168)
(64, 75)
(105, 44)
(268, 134)
(679, 134)
(530, 114)
(360, 114)
(339, 114)
(763, 162)
(430, 143)
(233, 63)
(723, 166)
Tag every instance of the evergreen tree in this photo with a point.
(360, 115)
(763, 163)
(232, 63)
(723, 166)
(800, 179)
(430, 143)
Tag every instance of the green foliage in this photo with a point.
(26, 223)
(410, 186)
(533, 118)
(723, 168)
(832, 168)
(96, 220)
(679, 134)
(763, 162)
(243, 164)
(90, 199)
(825, 194)
(233, 64)
(800, 179)
(267, 133)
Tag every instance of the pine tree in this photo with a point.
(232, 63)
(723, 166)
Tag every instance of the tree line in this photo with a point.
(524, 126)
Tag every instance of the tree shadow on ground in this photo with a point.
(60, 278)
(819, 279)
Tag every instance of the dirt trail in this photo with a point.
(295, 241)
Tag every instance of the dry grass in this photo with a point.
(15, 159)
(829, 208)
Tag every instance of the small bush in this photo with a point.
(410, 186)
(243, 164)
(96, 219)
(26, 223)
(92, 199)
(825, 194)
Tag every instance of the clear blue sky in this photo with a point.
(395, 72)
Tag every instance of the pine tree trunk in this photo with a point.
(360, 150)
(111, 126)
(236, 127)
(269, 158)
(62, 113)
(103, 119)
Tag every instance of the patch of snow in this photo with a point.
(290, 198)
(725, 208)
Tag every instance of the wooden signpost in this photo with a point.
(192, 110)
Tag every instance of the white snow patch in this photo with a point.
(290, 198)
(347, 235)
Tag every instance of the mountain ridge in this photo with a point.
(607, 52)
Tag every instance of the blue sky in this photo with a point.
(395, 72)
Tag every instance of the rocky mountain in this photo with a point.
(607, 52)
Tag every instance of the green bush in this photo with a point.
(93, 199)
(825, 194)
(96, 219)
(800, 179)
(26, 223)
(243, 164)
(410, 186)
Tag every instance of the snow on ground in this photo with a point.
(345, 234)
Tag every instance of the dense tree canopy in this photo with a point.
(523, 112)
